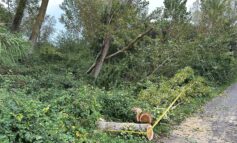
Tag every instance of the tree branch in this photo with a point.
(140, 36)
(159, 66)
(93, 65)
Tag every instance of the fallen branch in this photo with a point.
(144, 129)
(159, 66)
(93, 66)
(170, 106)
(130, 44)
(119, 51)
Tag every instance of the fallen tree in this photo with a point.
(135, 128)
(102, 56)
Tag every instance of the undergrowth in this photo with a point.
(44, 105)
(46, 97)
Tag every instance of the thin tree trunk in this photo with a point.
(38, 22)
(100, 60)
(96, 67)
(18, 16)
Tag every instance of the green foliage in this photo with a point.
(213, 59)
(71, 18)
(163, 94)
(12, 48)
(47, 97)
(74, 51)
(49, 52)
(30, 121)
(176, 10)
(117, 105)
(64, 116)
(214, 14)
(32, 112)
(5, 16)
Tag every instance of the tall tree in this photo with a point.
(39, 20)
(107, 22)
(196, 12)
(47, 29)
(175, 10)
(71, 17)
(5, 16)
(176, 20)
(215, 14)
(18, 15)
(31, 12)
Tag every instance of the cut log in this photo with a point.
(145, 129)
(141, 116)
(145, 118)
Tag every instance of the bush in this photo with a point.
(51, 116)
(28, 120)
(48, 52)
(162, 95)
(117, 105)
(12, 48)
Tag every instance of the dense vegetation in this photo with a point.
(114, 55)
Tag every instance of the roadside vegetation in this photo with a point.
(112, 57)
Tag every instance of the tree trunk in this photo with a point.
(102, 56)
(145, 129)
(18, 15)
(100, 60)
(38, 22)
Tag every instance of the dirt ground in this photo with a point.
(216, 124)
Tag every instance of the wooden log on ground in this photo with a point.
(142, 117)
(145, 129)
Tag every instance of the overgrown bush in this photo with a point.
(48, 52)
(49, 116)
(213, 59)
(25, 119)
(117, 105)
(12, 48)
(184, 81)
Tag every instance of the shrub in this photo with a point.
(12, 48)
(117, 105)
(49, 52)
(28, 120)
(161, 95)
(51, 116)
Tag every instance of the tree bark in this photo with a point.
(122, 127)
(95, 70)
(102, 56)
(38, 22)
(18, 15)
